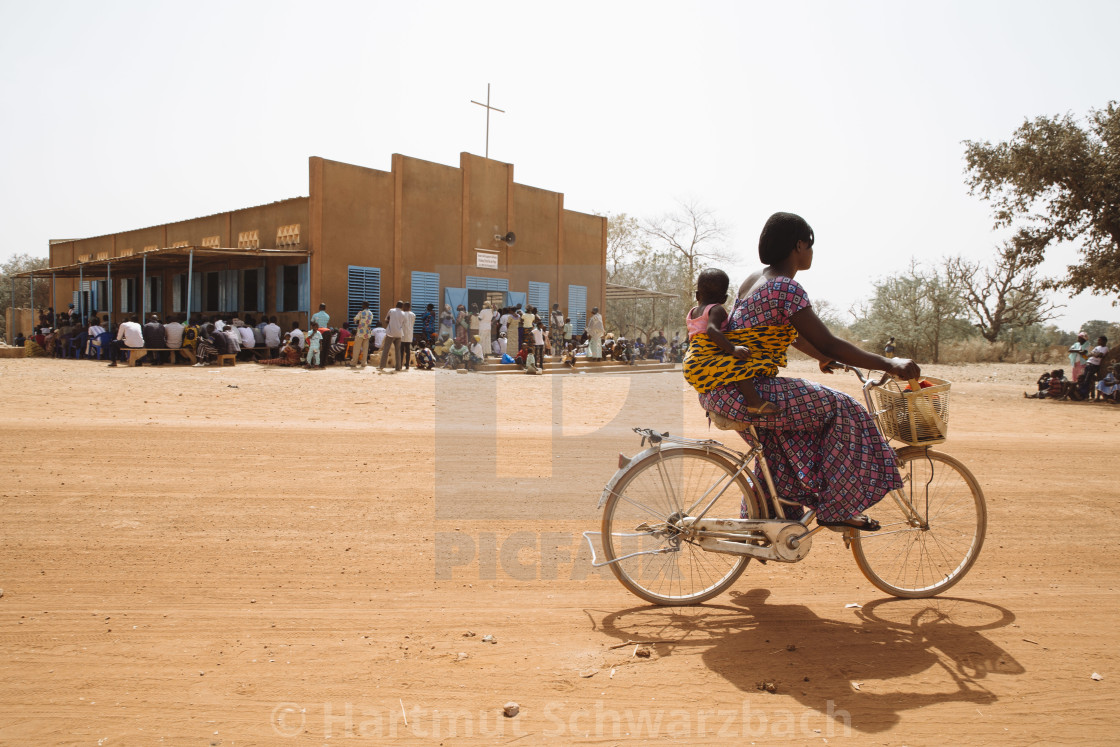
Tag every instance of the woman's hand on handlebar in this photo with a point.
(902, 368)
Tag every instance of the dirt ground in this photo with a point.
(247, 556)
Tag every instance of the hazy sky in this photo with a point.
(119, 115)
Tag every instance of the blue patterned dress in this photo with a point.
(823, 447)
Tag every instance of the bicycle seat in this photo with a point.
(726, 424)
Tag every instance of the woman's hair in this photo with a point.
(780, 235)
(712, 284)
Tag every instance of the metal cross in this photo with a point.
(488, 108)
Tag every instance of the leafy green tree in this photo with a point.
(1058, 181)
(921, 308)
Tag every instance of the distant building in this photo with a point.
(422, 233)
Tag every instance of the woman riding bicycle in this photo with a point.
(823, 447)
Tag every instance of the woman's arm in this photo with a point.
(830, 347)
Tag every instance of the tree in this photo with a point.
(1058, 182)
(691, 231)
(920, 308)
(22, 287)
(998, 299)
(624, 242)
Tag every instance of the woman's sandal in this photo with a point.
(862, 523)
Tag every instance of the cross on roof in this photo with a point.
(488, 108)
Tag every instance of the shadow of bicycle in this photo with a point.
(897, 655)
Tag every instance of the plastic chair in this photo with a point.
(105, 340)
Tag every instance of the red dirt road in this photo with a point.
(247, 556)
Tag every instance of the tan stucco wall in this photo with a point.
(434, 218)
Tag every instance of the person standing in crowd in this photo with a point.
(321, 318)
(129, 335)
(462, 324)
(1078, 351)
(485, 327)
(446, 322)
(473, 332)
(154, 337)
(567, 331)
(1093, 365)
(528, 319)
(408, 328)
(537, 335)
(888, 349)
(393, 332)
(429, 323)
(595, 331)
(363, 327)
(555, 329)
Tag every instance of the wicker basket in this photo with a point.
(917, 417)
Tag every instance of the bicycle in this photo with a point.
(683, 518)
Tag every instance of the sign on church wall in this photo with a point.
(486, 260)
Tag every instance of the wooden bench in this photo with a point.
(134, 355)
(186, 353)
(258, 352)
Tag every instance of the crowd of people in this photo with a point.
(1091, 379)
(457, 338)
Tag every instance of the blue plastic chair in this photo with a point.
(106, 340)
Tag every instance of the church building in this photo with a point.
(423, 233)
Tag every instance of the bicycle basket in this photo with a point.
(917, 418)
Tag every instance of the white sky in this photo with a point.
(118, 115)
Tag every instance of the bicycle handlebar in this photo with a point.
(863, 380)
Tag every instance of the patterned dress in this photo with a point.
(823, 448)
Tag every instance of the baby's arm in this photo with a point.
(716, 317)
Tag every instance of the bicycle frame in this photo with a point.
(720, 534)
(728, 535)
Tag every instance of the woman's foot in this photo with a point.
(862, 523)
(766, 408)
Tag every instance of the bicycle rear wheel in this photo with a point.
(651, 500)
(922, 552)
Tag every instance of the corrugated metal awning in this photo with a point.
(167, 258)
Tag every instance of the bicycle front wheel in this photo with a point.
(932, 529)
(647, 514)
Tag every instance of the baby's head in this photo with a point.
(711, 286)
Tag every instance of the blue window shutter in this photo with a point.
(577, 307)
(304, 288)
(363, 284)
(280, 288)
(475, 282)
(454, 297)
(538, 297)
(425, 290)
(515, 297)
